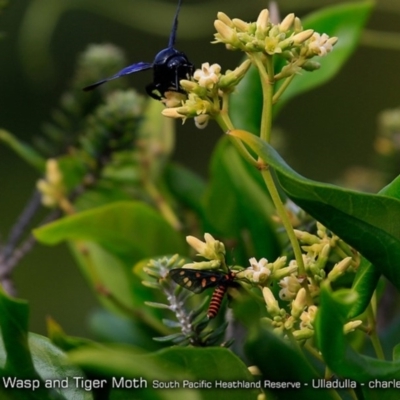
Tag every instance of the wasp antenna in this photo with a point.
(172, 37)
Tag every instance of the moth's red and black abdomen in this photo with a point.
(216, 301)
(197, 280)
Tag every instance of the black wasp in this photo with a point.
(170, 66)
(198, 280)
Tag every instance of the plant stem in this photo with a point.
(282, 88)
(267, 82)
(373, 332)
(164, 208)
(226, 125)
(281, 211)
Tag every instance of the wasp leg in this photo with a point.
(150, 91)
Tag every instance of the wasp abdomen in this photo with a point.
(216, 301)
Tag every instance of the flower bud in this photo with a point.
(232, 78)
(211, 249)
(272, 305)
(339, 269)
(287, 22)
(299, 303)
(213, 264)
(225, 19)
(263, 20)
(226, 33)
(306, 237)
(171, 113)
(283, 272)
(240, 25)
(254, 370)
(297, 25)
(303, 334)
(351, 326)
(188, 86)
(301, 37)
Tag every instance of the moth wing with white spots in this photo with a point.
(197, 280)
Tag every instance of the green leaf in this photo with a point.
(345, 21)
(210, 364)
(117, 288)
(52, 364)
(245, 103)
(32, 358)
(364, 285)
(109, 327)
(132, 230)
(365, 221)
(186, 186)
(60, 338)
(279, 362)
(26, 152)
(116, 362)
(235, 191)
(14, 328)
(339, 356)
(107, 241)
(172, 365)
(396, 353)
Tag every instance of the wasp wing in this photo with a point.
(196, 280)
(140, 66)
(172, 36)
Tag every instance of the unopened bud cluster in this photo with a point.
(325, 246)
(294, 308)
(287, 39)
(211, 249)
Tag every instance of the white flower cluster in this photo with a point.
(204, 93)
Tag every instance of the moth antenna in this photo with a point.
(172, 37)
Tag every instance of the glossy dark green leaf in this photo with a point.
(214, 364)
(14, 328)
(392, 189)
(339, 356)
(32, 357)
(130, 229)
(174, 364)
(236, 205)
(367, 222)
(114, 362)
(364, 285)
(280, 362)
(245, 104)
